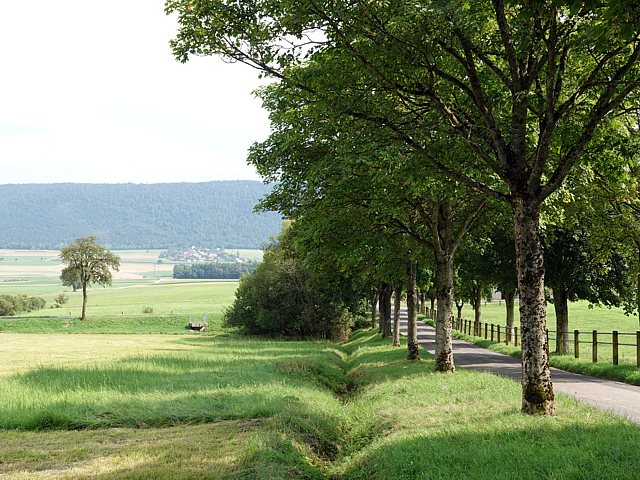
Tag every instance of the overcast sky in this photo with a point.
(90, 92)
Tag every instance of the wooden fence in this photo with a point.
(615, 345)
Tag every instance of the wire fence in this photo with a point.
(618, 347)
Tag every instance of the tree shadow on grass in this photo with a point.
(546, 449)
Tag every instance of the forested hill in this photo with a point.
(212, 214)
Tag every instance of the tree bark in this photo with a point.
(413, 353)
(84, 302)
(397, 298)
(459, 306)
(374, 308)
(510, 302)
(537, 389)
(561, 305)
(638, 285)
(477, 306)
(385, 310)
(444, 288)
(432, 308)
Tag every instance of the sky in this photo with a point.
(90, 92)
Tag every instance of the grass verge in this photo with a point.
(626, 372)
(230, 407)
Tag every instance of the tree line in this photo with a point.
(13, 304)
(170, 215)
(212, 270)
(408, 137)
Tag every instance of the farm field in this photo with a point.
(138, 396)
(585, 319)
(157, 406)
(581, 316)
(26, 266)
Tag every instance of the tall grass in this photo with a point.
(254, 408)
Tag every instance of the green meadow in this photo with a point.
(157, 406)
(584, 318)
(133, 395)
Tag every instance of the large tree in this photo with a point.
(87, 263)
(525, 84)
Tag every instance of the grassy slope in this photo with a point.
(227, 407)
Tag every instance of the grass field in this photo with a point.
(584, 318)
(154, 406)
(581, 317)
(144, 404)
(117, 308)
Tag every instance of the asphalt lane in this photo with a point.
(607, 395)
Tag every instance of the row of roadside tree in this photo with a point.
(414, 140)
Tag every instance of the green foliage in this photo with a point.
(212, 270)
(285, 297)
(87, 262)
(61, 299)
(210, 214)
(13, 304)
(147, 309)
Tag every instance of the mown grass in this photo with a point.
(581, 317)
(626, 370)
(120, 309)
(230, 407)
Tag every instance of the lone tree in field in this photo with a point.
(86, 263)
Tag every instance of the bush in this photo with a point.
(147, 310)
(61, 299)
(10, 305)
(278, 298)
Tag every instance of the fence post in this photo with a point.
(465, 326)
(515, 336)
(492, 332)
(576, 343)
(638, 349)
(498, 333)
(594, 347)
(615, 347)
(485, 331)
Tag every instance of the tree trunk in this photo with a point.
(374, 308)
(381, 308)
(510, 302)
(84, 302)
(537, 389)
(561, 305)
(397, 297)
(459, 307)
(433, 306)
(477, 306)
(385, 310)
(444, 288)
(638, 285)
(413, 353)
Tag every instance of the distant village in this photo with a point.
(200, 254)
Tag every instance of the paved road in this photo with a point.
(619, 398)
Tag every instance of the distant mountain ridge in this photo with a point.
(128, 216)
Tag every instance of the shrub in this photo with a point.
(61, 299)
(147, 310)
(283, 297)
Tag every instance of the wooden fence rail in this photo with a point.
(592, 340)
